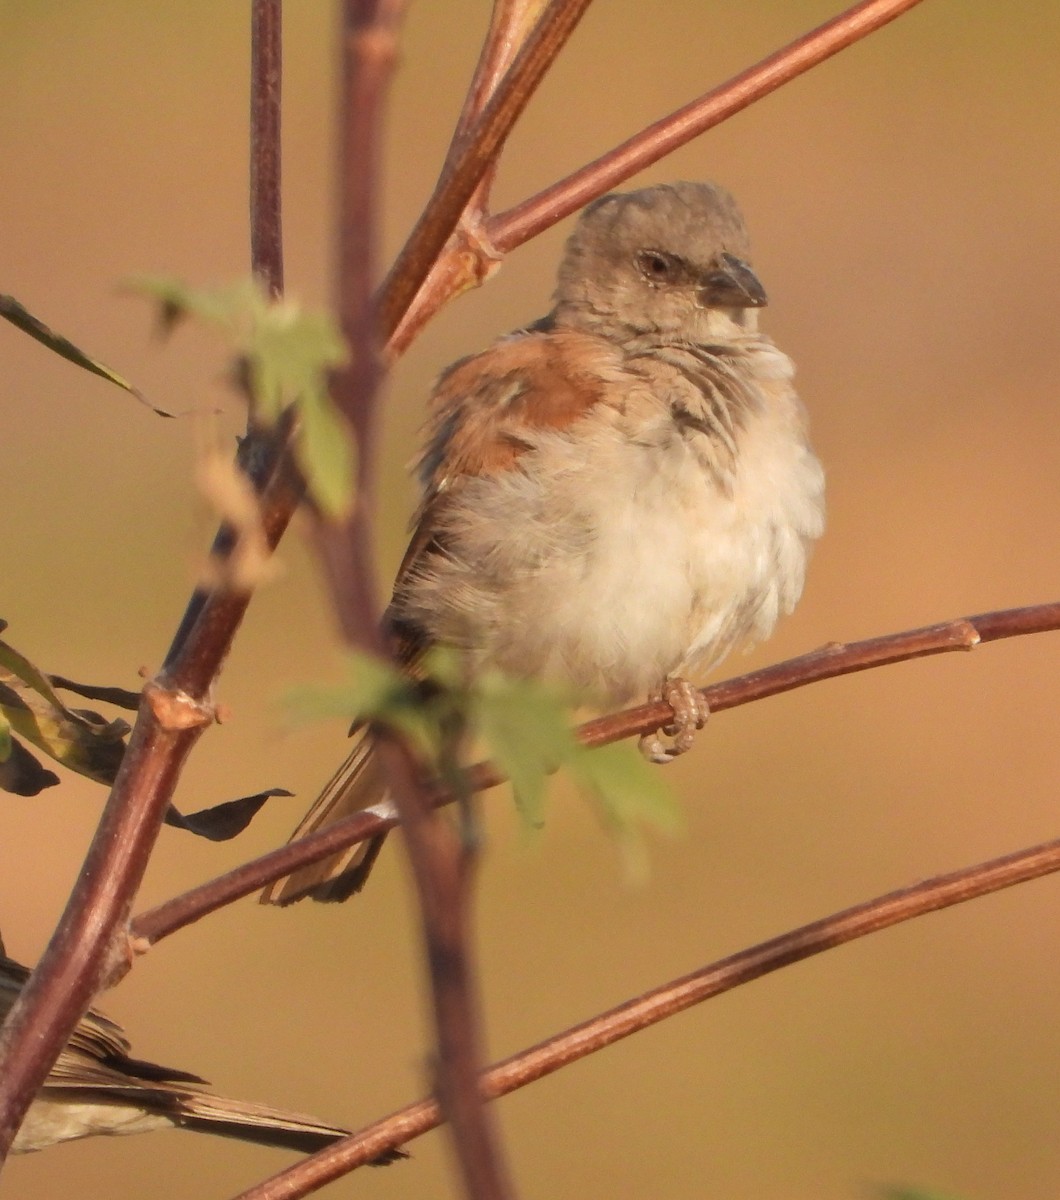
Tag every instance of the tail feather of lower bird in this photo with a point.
(95, 1088)
(356, 785)
(90, 1098)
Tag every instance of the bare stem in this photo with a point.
(266, 65)
(369, 46)
(442, 866)
(931, 895)
(369, 49)
(510, 25)
(526, 220)
(88, 951)
(835, 659)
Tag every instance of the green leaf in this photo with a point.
(527, 729)
(5, 737)
(525, 724)
(325, 453)
(630, 795)
(374, 691)
(372, 688)
(19, 316)
(285, 356)
(289, 353)
(231, 308)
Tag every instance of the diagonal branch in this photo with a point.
(87, 950)
(835, 659)
(884, 912)
(473, 157)
(475, 255)
(510, 229)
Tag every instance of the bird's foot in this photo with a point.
(690, 715)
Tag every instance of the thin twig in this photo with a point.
(510, 229)
(931, 895)
(467, 260)
(510, 25)
(266, 71)
(963, 633)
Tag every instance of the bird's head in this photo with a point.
(666, 263)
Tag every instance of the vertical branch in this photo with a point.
(368, 51)
(441, 867)
(266, 67)
(263, 453)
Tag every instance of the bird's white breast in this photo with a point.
(613, 555)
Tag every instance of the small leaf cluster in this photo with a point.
(285, 355)
(525, 724)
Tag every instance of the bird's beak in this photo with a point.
(732, 284)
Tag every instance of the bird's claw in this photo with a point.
(690, 715)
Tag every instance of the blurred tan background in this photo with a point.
(902, 199)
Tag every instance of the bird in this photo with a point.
(612, 496)
(95, 1087)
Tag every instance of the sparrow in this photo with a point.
(614, 495)
(95, 1087)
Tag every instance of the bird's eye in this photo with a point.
(655, 267)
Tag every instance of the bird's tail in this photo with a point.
(259, 1123)
(356, 785)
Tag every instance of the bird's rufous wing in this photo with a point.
(482, 415)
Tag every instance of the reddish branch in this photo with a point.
(441, 867)
(266, 70)
(470, 160)
(368, 53)
(963, 633)
(540, 212)
(479, 245)
(88, 948)
(943, 891)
